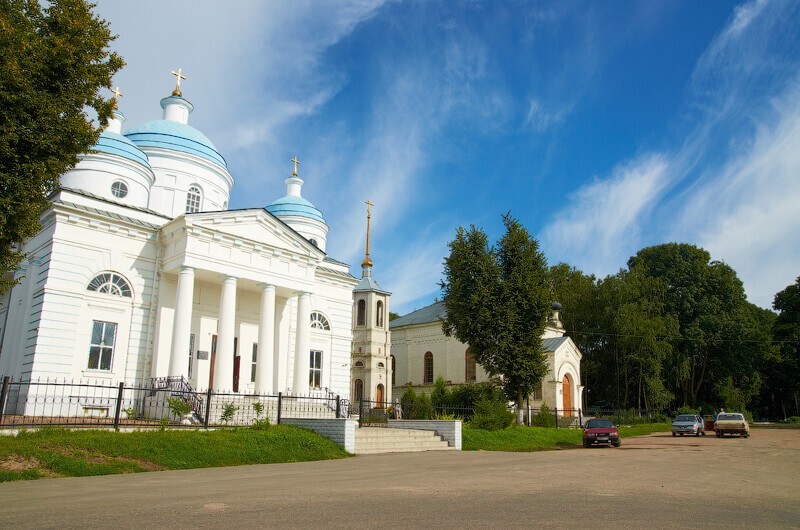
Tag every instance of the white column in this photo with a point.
(266, 341)
(223, 364)
(182, 324)
(302, 350)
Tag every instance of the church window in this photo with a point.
(110, 283)
(361, 314)
(393, 365)
(315, 370)
(381, 365)
(359, 364)
(470, 367)
(193, 200)
(314, 242)
(537, 391)
(119, 189)
(101, 348)
(318, 321)
(427, 371)
(379, 315)
(253, 361)
(358, 390)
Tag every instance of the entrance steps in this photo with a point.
(374, 440)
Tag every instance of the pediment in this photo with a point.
(253, 228)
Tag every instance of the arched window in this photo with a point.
(427, 369)
(379, 315)
(359, 364)
(361, 314)
(193, 199)
(110, 283)
(393, 370)
(469, 369)
(379, 395)
(318, 321)
(358, 391)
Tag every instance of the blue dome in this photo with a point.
(116, 144)
(168, 134)
(294, 206)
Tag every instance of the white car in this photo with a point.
(688, 424)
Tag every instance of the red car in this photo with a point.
(599, 431)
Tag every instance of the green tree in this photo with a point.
(714, 320)
(497, 301)
(53, 62)
(783, 385)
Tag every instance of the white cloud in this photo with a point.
(600, 228)
(747, 214)
(540, 119)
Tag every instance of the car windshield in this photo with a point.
(685, 417)
(599, 424)
(733, 417)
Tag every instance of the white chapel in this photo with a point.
(142, 271)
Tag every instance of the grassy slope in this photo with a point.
(52, 452)
(538, 438)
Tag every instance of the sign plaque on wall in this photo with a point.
(202, 355)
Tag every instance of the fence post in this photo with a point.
(338, 407)
(280, 400)
(580, 418)
(119, 405)
(3, 397)
(208, 409)
(555, 410)
(360, 411)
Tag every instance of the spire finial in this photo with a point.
(296, 163)
(117, 95)
(368, 262)
(178, 76)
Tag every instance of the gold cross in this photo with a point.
(368, 262)
(117, 95)
(178, 76)
(296, 162)
(369, 204)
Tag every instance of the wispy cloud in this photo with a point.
(601, 226)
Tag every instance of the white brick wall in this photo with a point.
(341, 431)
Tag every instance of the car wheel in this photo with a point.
(746, 435)
(673, 434)
(719, 434)
(702, 433)
(586, 444)
(616, 444)
(697, 433)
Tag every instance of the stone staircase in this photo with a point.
(373, 440)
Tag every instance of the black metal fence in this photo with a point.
(164, 402)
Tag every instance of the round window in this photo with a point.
(119, 189)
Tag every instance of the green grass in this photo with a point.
(63, 453)
(522, 439)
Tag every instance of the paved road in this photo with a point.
(654, 481)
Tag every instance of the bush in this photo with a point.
(492, 415)
(686, 409)
(545, 418)
(792, 419)
(416, 406)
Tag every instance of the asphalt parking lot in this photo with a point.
(654, 481)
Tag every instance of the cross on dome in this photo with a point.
(296, 163)
(178, 77)
(368, 262)
(117, 95)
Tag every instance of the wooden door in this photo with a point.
(566, 391)
(213, 359)
(379, 395)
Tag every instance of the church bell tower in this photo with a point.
(371, 366)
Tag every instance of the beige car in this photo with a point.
(731, 423)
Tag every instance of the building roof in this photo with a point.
(168, 134)
(115, 144)
(553, 343)
(432, 313)
(295, 206)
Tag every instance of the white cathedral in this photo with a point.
(141, 271)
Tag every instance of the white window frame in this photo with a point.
(194, 199)
(102, 346)
(315, 369)
(110, 283)
(254, 361)
(119, 189)
(319, 321)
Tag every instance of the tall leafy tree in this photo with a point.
(708, 300)
(497, 301)
(54, 59)
(784, 375)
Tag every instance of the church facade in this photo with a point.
(142, 271)
(421, 353)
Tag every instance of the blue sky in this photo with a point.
(603, 127)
